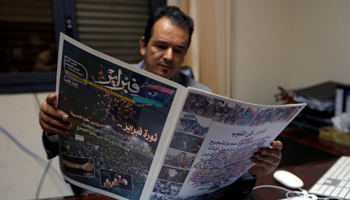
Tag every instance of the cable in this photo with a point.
(36, 156)
(50, 161)
(272, 186)
(301, 193)
(42, 179)
(37, 99)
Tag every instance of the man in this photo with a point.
(164, 46)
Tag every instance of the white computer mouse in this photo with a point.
(288, 179)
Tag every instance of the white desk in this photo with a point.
(20, 173)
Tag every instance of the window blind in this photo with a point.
(113, 27)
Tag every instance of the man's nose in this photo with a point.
(168, 55)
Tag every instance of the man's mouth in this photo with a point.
(165, 66)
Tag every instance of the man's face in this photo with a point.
(166, 49)
(217, 117)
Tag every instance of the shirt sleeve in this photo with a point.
(246, 176)
(50, 143)
(240, 189)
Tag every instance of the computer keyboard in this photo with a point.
(336, 181)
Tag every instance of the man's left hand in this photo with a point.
(267, 159)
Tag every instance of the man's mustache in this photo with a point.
(167, 63)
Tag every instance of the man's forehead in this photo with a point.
(165, 29)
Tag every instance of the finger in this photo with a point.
(270, 152)
(276, 145)
(53, 129)
(51, 99)
(266, 162)
(50, 123)
(54, 118)
(263, 167)
(272, 160)
(50, 110)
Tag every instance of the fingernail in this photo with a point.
(65, 117)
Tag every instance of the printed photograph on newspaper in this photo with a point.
(118, 116)
(213, 142)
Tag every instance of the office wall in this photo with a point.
(21, 173)
(289, 43)
(263, 37)
(322, 42)
(293, 44)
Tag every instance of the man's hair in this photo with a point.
(175, 15)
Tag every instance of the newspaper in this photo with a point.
(137, 135)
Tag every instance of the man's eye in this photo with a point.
(161, 47)
(178, 51)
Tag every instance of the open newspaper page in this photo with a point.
(213, 142)
(119, 114)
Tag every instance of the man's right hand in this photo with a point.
(52, 119)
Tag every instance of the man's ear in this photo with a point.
(143, 46)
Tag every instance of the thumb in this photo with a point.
(51, 99)
(276, 145)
